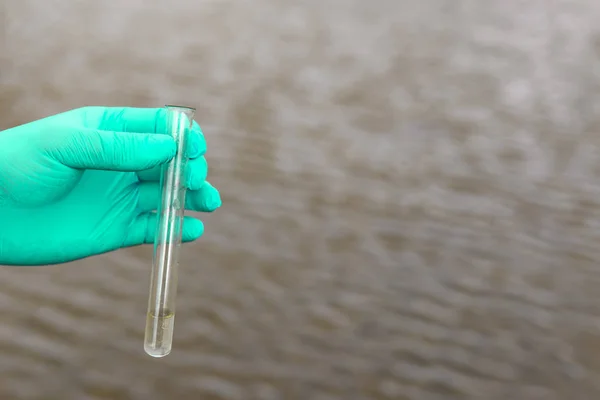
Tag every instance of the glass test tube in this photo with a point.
(167, 243)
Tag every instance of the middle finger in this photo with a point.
(195, 173)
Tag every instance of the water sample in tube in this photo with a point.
(160, 320)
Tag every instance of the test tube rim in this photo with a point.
(183, 107)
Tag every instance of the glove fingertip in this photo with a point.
(207, 199)
(193, 228)
(196, 144)
(196, 127)
(213, 200)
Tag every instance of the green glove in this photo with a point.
(86, 182)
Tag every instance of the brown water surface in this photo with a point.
(411, 200)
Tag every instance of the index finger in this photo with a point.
(129, 119)
(143, 120)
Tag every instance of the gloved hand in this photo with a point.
(86, 182)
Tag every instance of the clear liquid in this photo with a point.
(159, 333)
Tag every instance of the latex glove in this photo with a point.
(86, 182)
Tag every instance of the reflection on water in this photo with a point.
(411, 206)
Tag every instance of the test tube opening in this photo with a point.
(167, 243)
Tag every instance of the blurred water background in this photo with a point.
(411, 200)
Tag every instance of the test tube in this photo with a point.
(160, 320)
